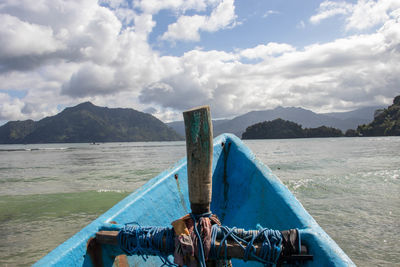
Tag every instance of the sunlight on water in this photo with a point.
(49, 192)
(349, 185)
(32, 225)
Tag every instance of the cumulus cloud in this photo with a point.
(65, 52)
(68, 51)
(368, 13)
(188, 28)
(32, 39)
(87, 48)
(265, 51)
(10, 108)
(181, 6)
(91, 79)
(347, 73)
(362, 15)
(56, 30)
(194, 82)
(76, 48)
(329, 9)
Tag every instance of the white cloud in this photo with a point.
(10, 108)
(77, 48)
(196, 77)
(19, 38)
(270, 12)
(265, 51)
(362, 15)
(178, 6)
(143, 24)
(188, 28)
(221, 17)
(91, 79)
(329, 9)
(347, 73)
(301, 25)
(82, 51)
(56, 30)
(368, 13)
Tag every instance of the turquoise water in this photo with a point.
(351, 186)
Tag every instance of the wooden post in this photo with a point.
(199, 150)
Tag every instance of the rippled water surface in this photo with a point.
(351, 186)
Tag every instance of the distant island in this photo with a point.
(385, 123)
(87, 123)
(282, 129)
(306, 118)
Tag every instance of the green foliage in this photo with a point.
(278, 129)
(323, 131)
(396, 100)
(351, 133)
(15, 131)
(386, 123)
(89, 123)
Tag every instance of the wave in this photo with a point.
(33, 149)
(111, 190)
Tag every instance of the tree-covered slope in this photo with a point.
(14, 131)
(279, 129)
(387, 122)
(304, 117)
(89, 123)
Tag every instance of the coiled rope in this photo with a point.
(134, 239)
(270, 241)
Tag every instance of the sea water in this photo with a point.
(48, 192)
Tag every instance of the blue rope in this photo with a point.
(195, 217)
(271, 241)
(134, 239)
(143, 241)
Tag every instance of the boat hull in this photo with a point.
(245, 193)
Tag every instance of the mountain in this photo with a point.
(385, 123)
(365, 113)
(307, 118)
(89, 123)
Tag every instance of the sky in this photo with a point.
(167, 56)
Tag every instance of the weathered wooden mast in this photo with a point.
(199, 148)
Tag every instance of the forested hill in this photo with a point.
(306, 118)
(386, 121)
(88, 123)
(278, 129)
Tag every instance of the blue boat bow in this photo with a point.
(245, 192)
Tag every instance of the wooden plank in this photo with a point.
(107, 237)
(199, 151)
